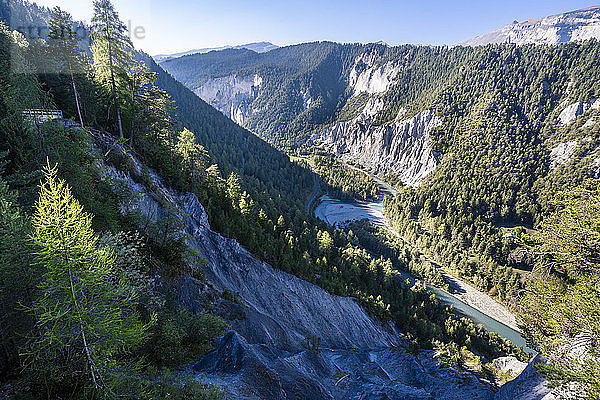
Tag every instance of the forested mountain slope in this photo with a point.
(123, 224)
(282, 93)
(497, 119)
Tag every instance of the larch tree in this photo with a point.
(86, 321)
(112, 52)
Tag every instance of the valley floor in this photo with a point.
(334, 211)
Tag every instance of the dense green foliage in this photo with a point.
(77, 313)
(497, 110)
(382, 242)
(86, 321)
(559, 308)
(344, 183)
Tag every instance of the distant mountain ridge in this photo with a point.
(259, 47)
(560, 28)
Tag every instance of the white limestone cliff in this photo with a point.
(368, 77)
(402, 147)
(572, 111)
(562, 153)
(232, 95)
(575, 25)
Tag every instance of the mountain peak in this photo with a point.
(555, 29)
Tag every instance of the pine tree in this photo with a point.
(234, 188)
(140, 77)
(63, 43)
(86, 320)
(194, 154)
(112, 51)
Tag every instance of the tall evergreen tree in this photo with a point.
(140, 79)
(63, 43)
(194, 154)
(112, 51)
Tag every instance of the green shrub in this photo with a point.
(179, 338)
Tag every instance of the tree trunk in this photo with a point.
(76, 94)
(112, 79)
(91, 365)
(132, 109)
(90, 362)
(73, 82)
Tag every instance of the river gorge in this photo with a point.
(466, 299)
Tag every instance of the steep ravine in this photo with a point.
(265, 354)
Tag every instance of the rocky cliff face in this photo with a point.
(368, 77)
(232, 95)
(575, 25)
(267, 354)
(402, 147)
(562, 153)
(572, 111)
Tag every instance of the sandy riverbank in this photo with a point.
(480, 301)
(336, 212)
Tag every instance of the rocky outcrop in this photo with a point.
(571, 112)
(402, 147)
(575, 25)
(589, 123)
(232, 95)
(250, 371)
(509, 364)
(562, 153)
(594, 169)
(527, 386)
(283, 309)
(368, 77)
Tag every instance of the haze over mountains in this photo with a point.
(560, 28)
(259, 47)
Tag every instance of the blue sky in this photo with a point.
(170, 26)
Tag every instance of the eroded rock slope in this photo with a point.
(266, 355)
(402, 147)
